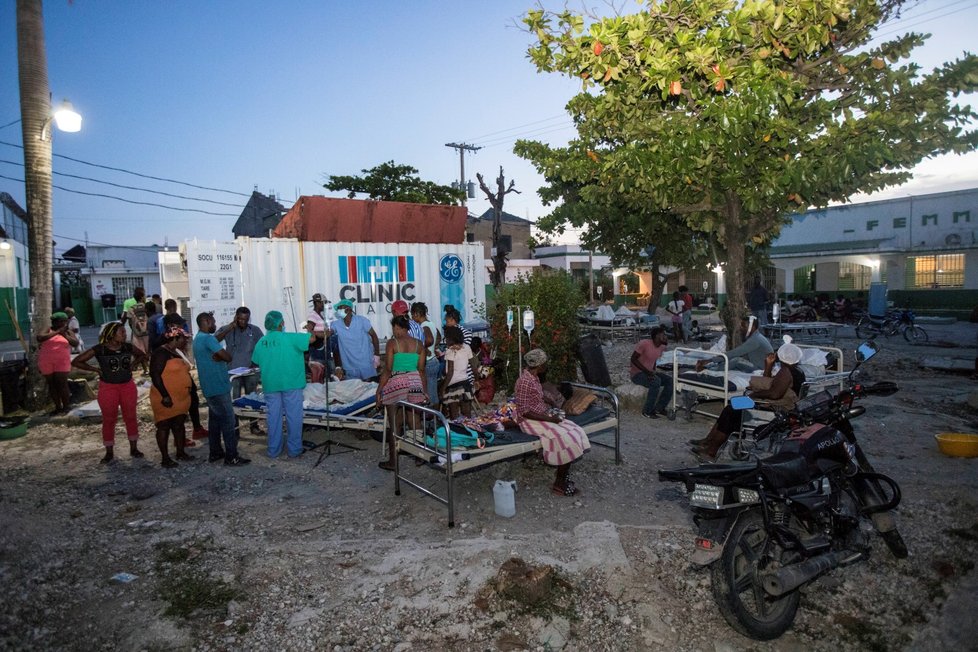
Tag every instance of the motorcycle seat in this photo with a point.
(784, 470)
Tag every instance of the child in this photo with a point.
(456, 389)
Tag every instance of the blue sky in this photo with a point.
(230, 95)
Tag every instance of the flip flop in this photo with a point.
(567, 491)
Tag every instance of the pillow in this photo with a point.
(579, 401)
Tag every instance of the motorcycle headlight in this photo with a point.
(706, 495)
(747, 496)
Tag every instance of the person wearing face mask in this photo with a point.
(357, 353)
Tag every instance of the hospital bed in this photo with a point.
(822, 366)
(600, 421)
(358, 413)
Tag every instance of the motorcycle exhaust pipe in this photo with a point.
(789, 578)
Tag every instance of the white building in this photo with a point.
(118, 270)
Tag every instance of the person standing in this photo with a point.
(116, 389)
(212, 369)
(75, 328)
(675, 310)
(281, 358)
(432, 338)
(54, 361)
(138, 296)
(643, 372)
(169, 396)
(317, 320)
(358, 349)
(456, 387)
(400, 308)
(757, 302)
(154, 326)
(401, 380)
(174, 318)
(240, 338)
(687, 311)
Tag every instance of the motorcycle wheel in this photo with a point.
(737, 587)
(864, 331)
(915, 335)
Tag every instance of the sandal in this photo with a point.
(568, 490)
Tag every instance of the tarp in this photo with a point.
(329, 219)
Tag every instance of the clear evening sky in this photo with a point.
(233, 95)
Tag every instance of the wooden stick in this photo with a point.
(20, 334)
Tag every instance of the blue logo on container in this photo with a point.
(450, 268)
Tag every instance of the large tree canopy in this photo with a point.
(392, 182)
(733, 113)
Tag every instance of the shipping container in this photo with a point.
(282, 274)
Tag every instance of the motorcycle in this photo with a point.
(895, 321)
(768, 527)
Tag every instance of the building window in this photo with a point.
(940, 271)
(124, 286)
(853, 276)
(693, 280)
(506, 243)
(805, 279)
(15, 227)
(470, 237)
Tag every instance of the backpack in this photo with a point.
(139, 326)
(462, 437)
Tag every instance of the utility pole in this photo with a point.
(462, 147)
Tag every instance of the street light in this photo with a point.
(65, 117)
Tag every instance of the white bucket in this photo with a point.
(504, 496)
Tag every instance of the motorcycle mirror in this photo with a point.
(742, 402)
(866, 350)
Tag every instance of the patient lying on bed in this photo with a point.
(750, 355)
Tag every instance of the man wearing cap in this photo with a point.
(400, 308)
(750, 355)
(212, 369)
(777, 391)
(358, 349)
(316, 322)
(282, 360)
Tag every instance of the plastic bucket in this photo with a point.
(504, 497)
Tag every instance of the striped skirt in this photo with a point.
(562, 442)
(457, 393)
(404, 386)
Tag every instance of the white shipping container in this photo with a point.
(283, 274)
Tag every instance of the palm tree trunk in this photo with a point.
(35, 108)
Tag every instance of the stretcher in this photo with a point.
(809, 332)
(822, 366)
(360, 414)
(600, 420)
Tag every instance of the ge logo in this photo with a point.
(450, 268)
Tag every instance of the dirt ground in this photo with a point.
(287, 555)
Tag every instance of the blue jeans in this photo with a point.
(660, 391)
(221, 425)
(291, 400)
(431, 369)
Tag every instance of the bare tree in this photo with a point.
(35, 109)
(498, 276)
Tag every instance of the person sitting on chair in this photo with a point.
(780, 391)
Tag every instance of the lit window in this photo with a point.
(853, 276)
(939, 271)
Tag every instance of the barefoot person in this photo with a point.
(116, 389)
(401, 380)
(54, 360)
(563, 441)
(170, 395)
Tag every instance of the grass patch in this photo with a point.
(185, 584)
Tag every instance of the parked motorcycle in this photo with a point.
(895, 321)
(768, 527)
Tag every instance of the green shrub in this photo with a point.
(554, 297)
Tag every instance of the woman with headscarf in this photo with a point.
(401, 379)
(770, 392)
(116, 388)
(563, 440)
(169, 397)
(54, 360)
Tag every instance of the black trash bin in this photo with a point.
(593, 364)
(108, 300)
(12, 388)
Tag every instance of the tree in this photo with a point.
(498, 276)
(392, 182)
(734, 113)
(35, 109)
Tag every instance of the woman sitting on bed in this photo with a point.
(401, 380)
(751, 354)
(779, 391)
(563, 440)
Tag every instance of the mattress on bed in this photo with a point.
(257, 402)
(714, 380)
(593, 414)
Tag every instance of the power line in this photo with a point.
(129, 201)
(137, 174)
(901, 25)
(105, 244)
(528, 124)
(10, 124)
(119, 185)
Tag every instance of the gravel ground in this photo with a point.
(288, 555)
